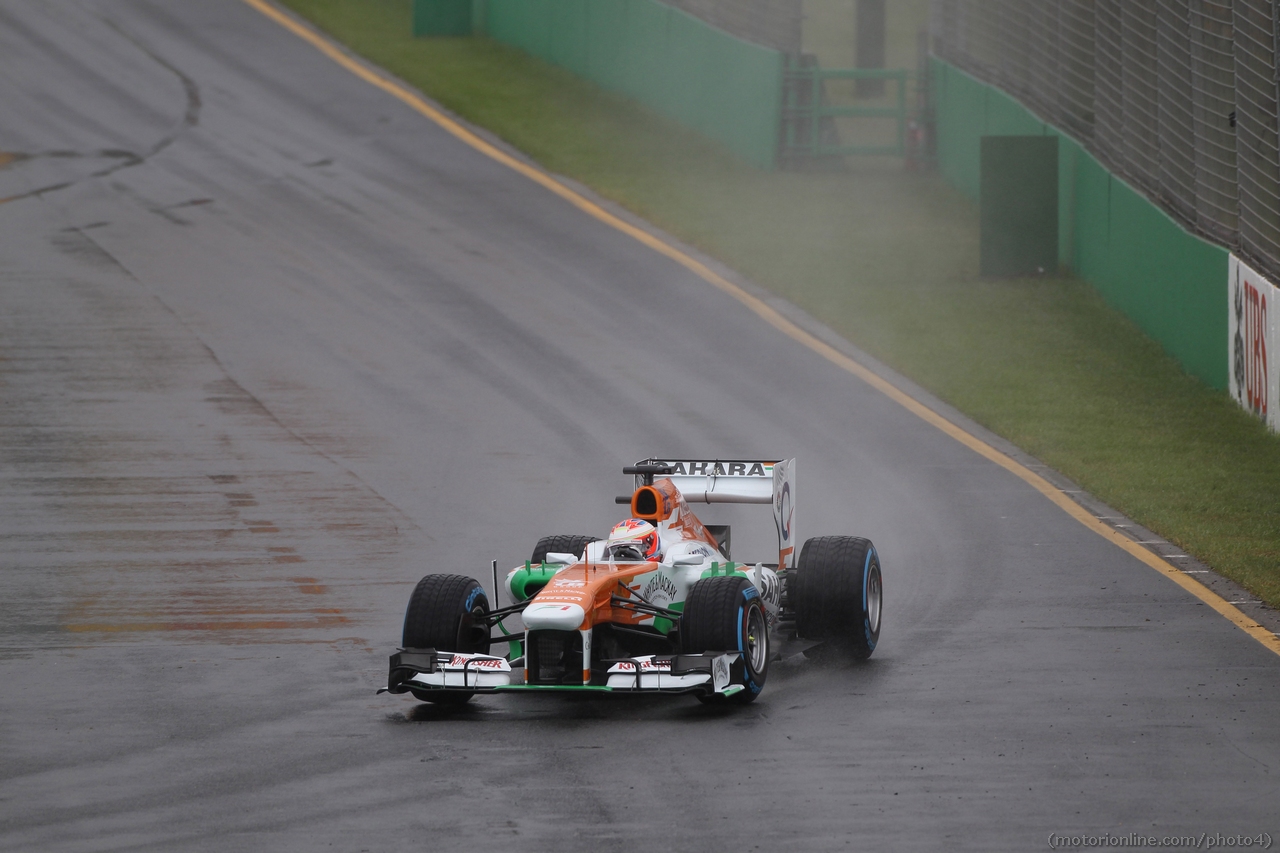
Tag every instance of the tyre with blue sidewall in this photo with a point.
(447, 613)
(838, 594)
(724, 614)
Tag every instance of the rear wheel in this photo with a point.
(563, 544)
(447, 613)
(726, 614)
(838, 593)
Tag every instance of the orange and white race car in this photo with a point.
(657, 606)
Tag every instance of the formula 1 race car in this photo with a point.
(656, 607)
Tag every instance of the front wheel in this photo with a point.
(726, 614)
(838, 593)
(447, 613)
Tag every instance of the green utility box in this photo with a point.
(442, 17)
(1018, 203)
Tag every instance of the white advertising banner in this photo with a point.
(1253, 334)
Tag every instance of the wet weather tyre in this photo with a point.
(446, 613)
(727, 614)
(838, 593)
(564, 544)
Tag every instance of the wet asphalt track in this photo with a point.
(280, 346)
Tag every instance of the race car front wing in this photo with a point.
(430, 670)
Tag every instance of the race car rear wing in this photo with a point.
(748, 481)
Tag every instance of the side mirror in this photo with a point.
(560, 558)
(691, 560)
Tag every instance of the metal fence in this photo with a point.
(1179, 97)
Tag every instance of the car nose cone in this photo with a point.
(553, 616)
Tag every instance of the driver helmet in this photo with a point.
(636, 533)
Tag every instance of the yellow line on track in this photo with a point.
(770, 315)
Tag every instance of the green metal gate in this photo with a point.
(808, 126)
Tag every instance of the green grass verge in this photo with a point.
(889, 260)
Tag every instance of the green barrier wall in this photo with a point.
(1172, 283)
(726, 88)
(442, 17)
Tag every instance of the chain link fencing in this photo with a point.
(1179, 97)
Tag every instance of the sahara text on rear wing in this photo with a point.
(749, 481)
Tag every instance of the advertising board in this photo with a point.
(1254, 342)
